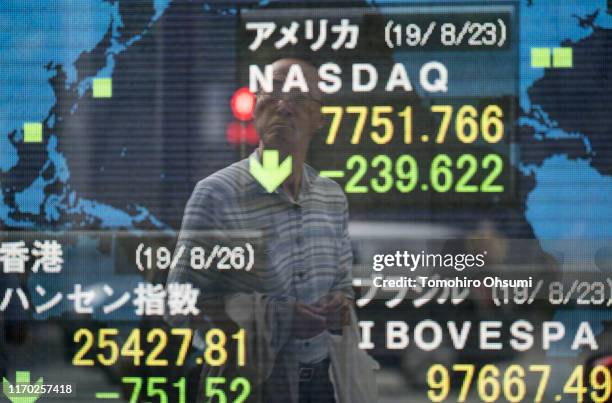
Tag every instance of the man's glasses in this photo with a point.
(295, 96)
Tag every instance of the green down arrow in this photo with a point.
(270, 175)
(22, 378)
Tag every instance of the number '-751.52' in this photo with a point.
(214, 390)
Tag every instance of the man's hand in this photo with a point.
(336, 307)
(308, 320)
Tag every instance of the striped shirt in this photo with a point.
(304, 247)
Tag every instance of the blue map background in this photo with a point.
(46, 48)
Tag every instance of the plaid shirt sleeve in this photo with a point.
(344, 279)
(201, 227)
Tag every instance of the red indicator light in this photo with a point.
(243, 104)
(238, 133)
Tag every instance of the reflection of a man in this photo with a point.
(304, 291)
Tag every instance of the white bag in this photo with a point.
(352, 370)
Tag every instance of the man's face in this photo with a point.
(286, 121)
